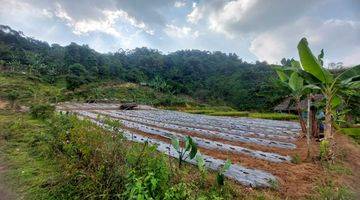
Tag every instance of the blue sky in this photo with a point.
(265, 30)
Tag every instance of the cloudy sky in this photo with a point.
(253, 29)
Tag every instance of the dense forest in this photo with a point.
(206, 76)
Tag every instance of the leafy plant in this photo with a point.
(296, 85)
(201, 166)
(322, 80)
(180, 191)
(220, 177)
(189, 151)
(324, 150)
(144, 187)
(42, 111)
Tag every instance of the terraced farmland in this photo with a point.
(250, 143)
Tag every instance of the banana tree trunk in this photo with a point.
(301, 119)
(328, 121)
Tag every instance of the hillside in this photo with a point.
(203, 75)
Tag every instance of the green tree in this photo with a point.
(323, 80)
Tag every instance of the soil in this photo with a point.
(5, 192)
(3, 104)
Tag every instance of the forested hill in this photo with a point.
(206, 76)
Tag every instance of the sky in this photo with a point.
(265, 30)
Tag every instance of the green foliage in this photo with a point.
(296, 159)
(220, 177)
(275, 116)
(311, 65)
(230, 114)
(274, 184)
(189, 151)
(321, 78)
(42, 111)
(200, 111)
(324, 150)
(353, 133)
(181, 191)
(202, 168)
(144, 187)
(12, 96)
(332, 192)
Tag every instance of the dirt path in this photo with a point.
(5, 192)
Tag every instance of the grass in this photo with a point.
(230, 114)
(274, 116)
(354, 133)
(329, 190)
(234, 113)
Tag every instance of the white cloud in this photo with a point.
(339, 39)
(195, 15)
(232, 12)
(179, 4)
(180, 32)
(241, 17)
(105, 25)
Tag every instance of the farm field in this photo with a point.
(261, 150)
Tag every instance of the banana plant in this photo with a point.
(323, 80)
(189, 151)
(292, 80)
(220, 175)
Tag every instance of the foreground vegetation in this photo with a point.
(65, 158)
(61, 157)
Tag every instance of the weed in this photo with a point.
(332, 192)
(296, 159)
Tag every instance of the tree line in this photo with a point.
(207, 76)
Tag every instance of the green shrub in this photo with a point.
(149, 174)
(42, 111)
(231, 114)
